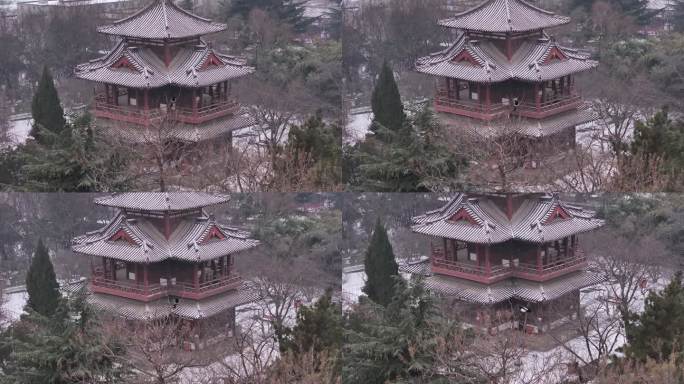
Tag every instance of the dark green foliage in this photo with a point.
(381, 267)
(658, 332)
(188, 5)
(68, 348)
(319, 144)
(388, 111)
(412, 159)
(663, 139)
(290, 12)
(76, 160)
(399, 343)
(46, 109)
(318, 328)
(41, 283)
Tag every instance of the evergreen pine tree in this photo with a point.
(388, 110)
(286, 11)
(46, 108)
(381, 267)
(318, 328)
(71, 347)
(658, 332)
(41, 283)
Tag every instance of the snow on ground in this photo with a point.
(13, 302)
(359, 121)
(20, 126)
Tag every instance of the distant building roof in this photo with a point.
(160, 20)
(192, 66)
(504, 16)
(164, 201)
(535, 60)
(536, 220)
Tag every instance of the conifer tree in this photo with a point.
(658, 332)
(41, 283)
(68, 348)
(286, 11)
(381, 267)
(46, 108)
(388, 110)
(318, 328)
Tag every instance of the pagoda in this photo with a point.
(163, 255)
(508, 261)
(162, 75)
(505, 74)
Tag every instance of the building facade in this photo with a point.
(505, 75)
(508, 261)
(163, 255)
(161, 75)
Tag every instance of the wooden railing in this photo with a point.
(152, 291)
(208, 112)
(476, 109)
(548, 107)
(138, 115)
(499, 271)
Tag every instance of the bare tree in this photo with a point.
(600, 331)
(627, 265)
(154, 348)
(5, 112)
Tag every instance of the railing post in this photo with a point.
(539, 260)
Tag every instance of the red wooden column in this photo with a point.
(444, 249)
(540, 262)
(195, 276)
(145, 278)
(146, 102)
(487, 97)
(458, 89)
(488, 263)
(194, 102)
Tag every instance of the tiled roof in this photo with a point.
(528, 63)
(528, 223)
(149, 245)
(504, 16)
(526, 126)
(164, 201)
(162, 19)
(147, 69)
(473, 292)
(191, 133)
(186, 308)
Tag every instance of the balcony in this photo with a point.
(528, 271)
(470, 108)
(140, 116)
(549, 107)
(151, 292)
